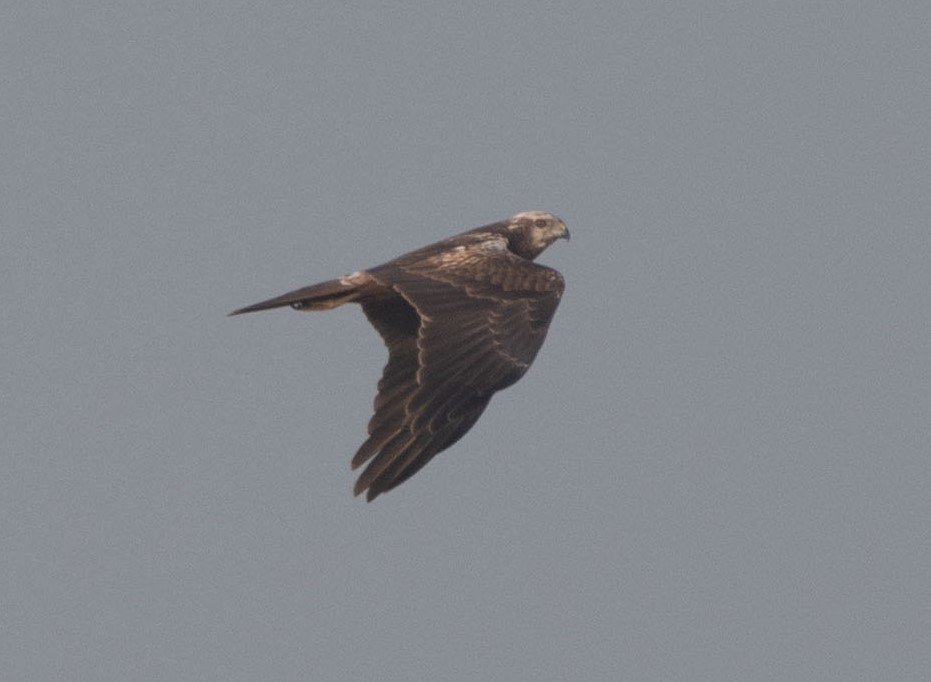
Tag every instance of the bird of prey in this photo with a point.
(462, 319)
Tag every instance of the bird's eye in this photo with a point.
(540, 222)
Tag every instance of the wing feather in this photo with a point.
(467, 321)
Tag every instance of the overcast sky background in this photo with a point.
(719, 466)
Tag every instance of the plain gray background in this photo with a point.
(718, 467)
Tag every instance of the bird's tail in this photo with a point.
(321, 296)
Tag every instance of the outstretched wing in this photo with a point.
(467, 322)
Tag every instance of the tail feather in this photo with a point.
(321, 296)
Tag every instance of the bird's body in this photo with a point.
(462, 319)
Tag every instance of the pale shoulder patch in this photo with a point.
(495, 243)
(479, 249)
(354, 278)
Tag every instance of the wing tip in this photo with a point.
(371, 492)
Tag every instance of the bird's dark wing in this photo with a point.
(468, 322)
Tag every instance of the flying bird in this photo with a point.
(462, 319)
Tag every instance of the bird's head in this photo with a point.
(532, 231)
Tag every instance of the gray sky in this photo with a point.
(718, 467)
